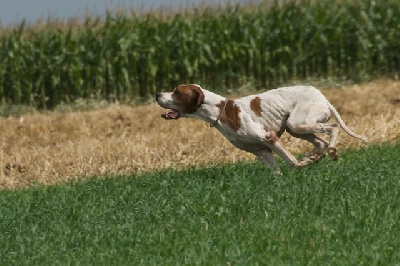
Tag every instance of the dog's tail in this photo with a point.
(343, 125)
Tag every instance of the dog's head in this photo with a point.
(183, 101)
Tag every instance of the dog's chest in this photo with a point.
(240, 139)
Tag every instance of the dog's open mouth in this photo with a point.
(171, 114)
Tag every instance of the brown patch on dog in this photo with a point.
(230, 116)
(188, 98)
(255, 105)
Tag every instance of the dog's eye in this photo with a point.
(175, 92)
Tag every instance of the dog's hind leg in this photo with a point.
(319, 144)
(311, 118)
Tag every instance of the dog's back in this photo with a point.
(292, 95)
(272, 108)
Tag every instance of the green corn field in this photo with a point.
(127, 55)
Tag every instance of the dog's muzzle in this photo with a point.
(170, 114)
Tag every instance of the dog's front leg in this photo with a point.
(265, 156)
(273, 141)
(270, 140)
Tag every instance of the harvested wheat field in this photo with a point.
(119, 140)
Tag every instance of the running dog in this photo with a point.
(255, 123)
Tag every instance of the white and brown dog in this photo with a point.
(255, 123)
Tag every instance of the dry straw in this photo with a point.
(121, 140)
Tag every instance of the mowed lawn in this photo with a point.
(332, 213)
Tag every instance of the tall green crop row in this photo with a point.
(130, 56)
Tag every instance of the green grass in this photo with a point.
(333, 213)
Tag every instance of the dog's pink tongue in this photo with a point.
(171, 114)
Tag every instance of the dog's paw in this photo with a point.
(316, 157)
(332, 152)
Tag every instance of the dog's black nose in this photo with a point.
(158, 94)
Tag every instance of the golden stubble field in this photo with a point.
(119, 140)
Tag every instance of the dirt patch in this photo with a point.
(122, 140)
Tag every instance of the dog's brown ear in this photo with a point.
(200, 97)
(197, 95)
